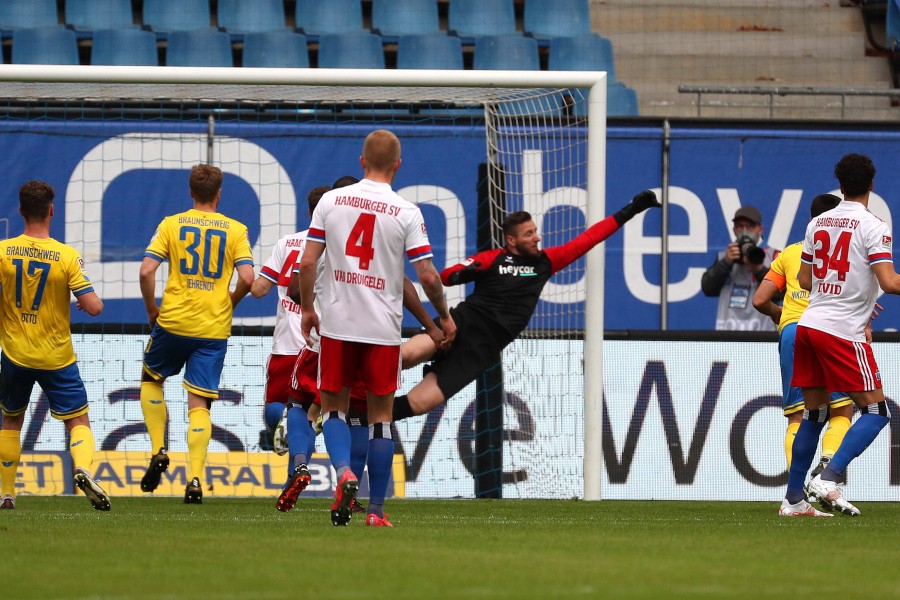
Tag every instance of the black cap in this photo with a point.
(751, 213)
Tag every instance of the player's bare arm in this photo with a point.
(261, 286)
(148, 288)
(888, 279)
(413, 304)
(804, 276)
(244, 283)
(90, 303)
(434, 289)
(762, 300)
(307, 280)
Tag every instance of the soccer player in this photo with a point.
(287, 340)
(508, 283)
(846, 257)
(192, 326)
(37, 276)
(782, 280)
(369, 228)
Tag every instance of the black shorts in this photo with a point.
(477, 346)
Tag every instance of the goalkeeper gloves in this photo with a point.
(638, 204)
(464, 275)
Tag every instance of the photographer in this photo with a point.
(737, 272)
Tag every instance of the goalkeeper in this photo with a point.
(508, 283)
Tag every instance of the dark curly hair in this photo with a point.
(855, 172)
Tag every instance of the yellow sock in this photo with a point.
(789, 435)
(154, 406)
(10, 452)
(834, 435)
(81, 446)
(199, 434)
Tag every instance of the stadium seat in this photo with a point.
(393, 18)
(275, 49)
(587, 52)
(474, 18)
(357, 50)
(555, 18)
(44, 46)
(314, 17)
(893, 26)
(163, 16)
(199, 48)
(85, 16)
(27, 14)
(429, 51)
(621, 100)
(511, 52)
(124, 47)
(241, 16)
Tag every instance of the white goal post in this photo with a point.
(86, 83)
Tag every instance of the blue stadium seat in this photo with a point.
(90, 15)
(124, 47)
(474, 18)
(275, 49)
(199, 48)
(243, 16)
(314, 17)
(429, 51)
(44, 46)
(893, 25)
(586, 52)
(356, 50)
(511, 52)
(393, 18)
(621, 100)
(27, 14)
(176, 15)
(555, 18)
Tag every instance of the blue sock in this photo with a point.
(311, 446)
(805, 443)
(297, 434)
(272, 414)
(359, 449)
(381, 459)
(337, 440)
(859, 437)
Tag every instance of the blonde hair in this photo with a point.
(381, 151)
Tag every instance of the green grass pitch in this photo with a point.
(243, 548)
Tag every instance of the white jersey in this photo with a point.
(287, 339)
(842, 245)
(368, 229)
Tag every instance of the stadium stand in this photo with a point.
(354, 50)
(163, 16)
(586, 52)
(240, 16)
(314, 18)
(553, 18)
(474, 18)
(393, 18)
(124, 47)
(199, 48)
(86, 16)
(506, 52)
(275, 49)
(621, 100)
(429, 51)
(26, 14)
(44, 46)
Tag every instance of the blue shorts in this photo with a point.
(167, 353)
(64, 389)
(793, 396)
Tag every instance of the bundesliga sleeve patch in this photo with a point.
(886, 242)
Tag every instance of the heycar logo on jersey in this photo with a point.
(517, 271)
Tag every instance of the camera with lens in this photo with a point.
(749, 249)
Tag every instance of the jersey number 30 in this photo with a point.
(827, 259)
(213, 256)
(359, 244)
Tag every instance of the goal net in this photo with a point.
(116, 144)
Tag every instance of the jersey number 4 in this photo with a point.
(359, 244)
(835, 259)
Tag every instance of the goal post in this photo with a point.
(508, 98)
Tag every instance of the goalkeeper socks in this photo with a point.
(337, 440)
(10, 452)
(272, 414)
(154, 406)
(789, 436)
(834, 435)
(359, 448)
(199, 434)
(81, 447)
(860, 436)
(381, 459)
(297, 436)
(804, 450)
(402, 409)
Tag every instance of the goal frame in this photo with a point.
(594, 81)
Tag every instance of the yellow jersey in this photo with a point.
(783, 273)
(202, 248)
(36, 278)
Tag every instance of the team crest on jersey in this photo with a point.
(886, 241)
